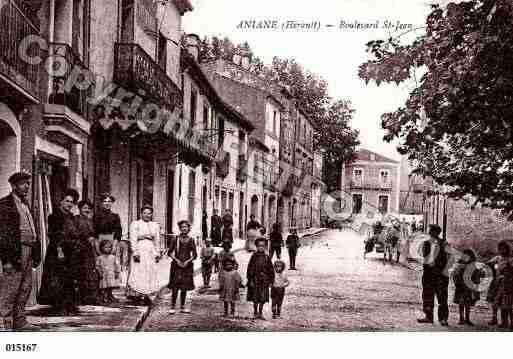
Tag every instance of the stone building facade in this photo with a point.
(372, 181)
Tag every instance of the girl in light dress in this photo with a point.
(109, 269)
(498, 263)
(229, 286)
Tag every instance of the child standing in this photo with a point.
(208, 258)
(109, 269)
(278, 288)
(260, 277)
(229, 286)
(498, 263)
(464, 294)
(181, 276)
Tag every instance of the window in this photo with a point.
(274, 121)
(384, 176)
(383, 204)
(357, 174)
(192, 195)
(162, 48)
(206, 111)
(194, 103)
(221, 130)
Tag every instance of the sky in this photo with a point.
(333, 53)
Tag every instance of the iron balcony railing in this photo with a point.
(370, 183)
(135, 70)
(15, 26)
(242, 170)
(62, 92)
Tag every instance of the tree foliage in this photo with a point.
(330, 118)
(456, 125)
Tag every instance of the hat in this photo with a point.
(19, 176)
(106, 195)
(184, 221)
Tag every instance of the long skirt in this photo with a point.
(181, 278)
(88, 280)
(251, 236)
(258, 293)
(143, 278)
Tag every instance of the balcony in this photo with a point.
(223, 165)
(242, 171)
(16, 25)
(135, 70)
(370, 183)
(73, 98)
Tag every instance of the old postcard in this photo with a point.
(263, 166)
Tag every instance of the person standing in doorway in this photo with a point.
(216, 224)
(228, 227)
(293, 244)
(204, 226)
(20, 251)
(435, 280)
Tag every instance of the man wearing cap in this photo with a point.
(435, 280)
(20, 251)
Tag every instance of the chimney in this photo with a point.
(245, 63)
(192, 44)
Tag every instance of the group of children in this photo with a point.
(467, 277)
(265, 279)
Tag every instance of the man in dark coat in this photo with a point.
(228, 227)
(215, 229)
(435, 279)
(20, 251)
(293, 245)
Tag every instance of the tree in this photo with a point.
(456, 125)
(330, 118)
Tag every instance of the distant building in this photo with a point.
(373, 183)
(414, 189)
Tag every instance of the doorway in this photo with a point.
(357, 203)
(383, 204)
(170, 200)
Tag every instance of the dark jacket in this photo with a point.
(293, 241)
(10, 242)
(106, 222)
(227, 220)
(276, 239)
(252, 225)
(436, 267)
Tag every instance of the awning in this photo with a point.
(193, 146)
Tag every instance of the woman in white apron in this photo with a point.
(145, 242)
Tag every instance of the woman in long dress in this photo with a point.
(60, 268)
(88, 281)
(144, 241)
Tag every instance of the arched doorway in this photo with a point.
(10, 143)
(254, 206)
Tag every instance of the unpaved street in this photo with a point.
(334, 289)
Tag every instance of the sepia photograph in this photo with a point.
(255, 166)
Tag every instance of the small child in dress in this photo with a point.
(109, 270)
(208, 259)
(229, 286)
(498, 263)
(465, 294)
(278, 288)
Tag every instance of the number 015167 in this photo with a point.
(20, 347)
